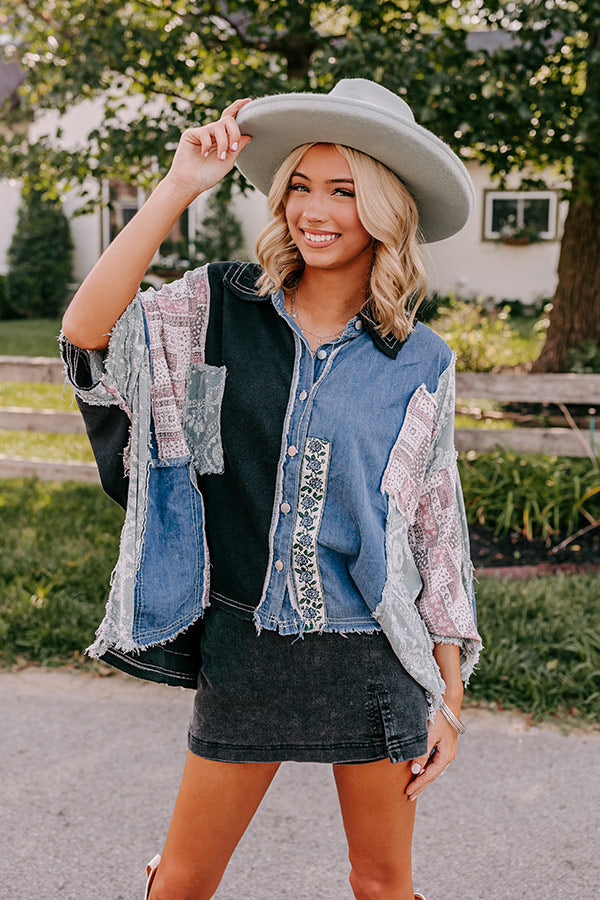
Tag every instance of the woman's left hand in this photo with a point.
(444, 738)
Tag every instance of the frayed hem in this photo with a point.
(104, 642)
(298, 632)
(470, 651)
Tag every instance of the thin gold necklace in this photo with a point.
(322, 338)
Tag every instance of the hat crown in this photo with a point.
(375, 94)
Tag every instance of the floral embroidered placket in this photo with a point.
(305, 564)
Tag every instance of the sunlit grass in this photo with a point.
(59, 545)
(29, 337)
(542, 646)
(37, 395)
(462, 421)
(55, 447)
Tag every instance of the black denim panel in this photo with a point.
(256, 346)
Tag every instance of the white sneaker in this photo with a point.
(150, 873)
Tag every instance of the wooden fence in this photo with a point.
(507, 388)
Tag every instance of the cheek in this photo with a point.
(362, 235)
(292, 209)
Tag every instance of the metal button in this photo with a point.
(303, 395)
(358, 324)
(292, 450)
(321, 354)
(285, 507)
(278, 565)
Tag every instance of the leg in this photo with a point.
(378, 820)
(215, 804)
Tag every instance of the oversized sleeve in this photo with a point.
(439, 539)
(109, 377)
(151, 348)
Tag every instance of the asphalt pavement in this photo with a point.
(90, 768)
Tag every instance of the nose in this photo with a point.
(314, 210)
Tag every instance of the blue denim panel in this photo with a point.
(170, 581)
(360, 407)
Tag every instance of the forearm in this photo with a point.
(114, 280)
(447, 657)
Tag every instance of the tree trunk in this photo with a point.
(575, 315)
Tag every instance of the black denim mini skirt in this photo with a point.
(330, 697)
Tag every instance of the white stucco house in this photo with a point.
(471, 263)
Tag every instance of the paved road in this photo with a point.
(90, 767)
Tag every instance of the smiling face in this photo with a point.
(321, 212)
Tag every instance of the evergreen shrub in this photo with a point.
(40, 260)
(3, 308)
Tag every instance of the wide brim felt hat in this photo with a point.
(361, 114)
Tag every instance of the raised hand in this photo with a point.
(207, 153)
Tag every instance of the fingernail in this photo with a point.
(415, 768)
(206, 154)
(414, 797)
(223, 155)
(234, 146)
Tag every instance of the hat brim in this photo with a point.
(429, 168)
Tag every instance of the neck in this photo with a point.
(332, 297)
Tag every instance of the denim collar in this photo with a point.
(241, 278)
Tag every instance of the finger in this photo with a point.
(220, 138)
(200, 137)
(431, 772)
(420, 762)
(207, 142)
(234, 108)
(233, 132)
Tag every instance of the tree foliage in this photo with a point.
(182, 62)
(512, 83)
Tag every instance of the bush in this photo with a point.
(540, 496)
(584, 360)
(486, 339)
(3, 306)
(481, 339)
(39, 260)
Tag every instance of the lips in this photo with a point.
(320, 239)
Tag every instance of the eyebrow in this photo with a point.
(329, 180)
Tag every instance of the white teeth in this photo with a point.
(319, 238)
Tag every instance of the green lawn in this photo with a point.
(60, 542)
(55, 447)
(37, 395)
(29, 337)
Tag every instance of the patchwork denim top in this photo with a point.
(322, 489)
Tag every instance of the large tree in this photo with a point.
(529, 99)
(543, 90)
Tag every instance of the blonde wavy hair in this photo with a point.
(387, 211)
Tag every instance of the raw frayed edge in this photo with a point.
(109, 634)
(103, 643)
(470, 651)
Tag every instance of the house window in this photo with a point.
(177, 239)
(121, 203)
(510, 212)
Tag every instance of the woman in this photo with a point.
(292, 423)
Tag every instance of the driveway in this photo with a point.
(90, 768)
